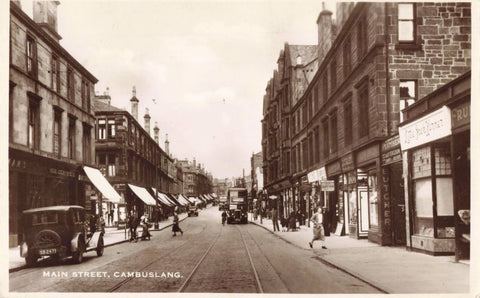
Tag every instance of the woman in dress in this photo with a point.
(176, 227)
(318, 231)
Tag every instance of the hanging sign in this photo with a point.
(327, 185)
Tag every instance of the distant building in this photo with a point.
(196, 180)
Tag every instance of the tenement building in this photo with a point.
(132, 160)
(374, 61)
(51, 118)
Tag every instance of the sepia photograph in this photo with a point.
(238, 147)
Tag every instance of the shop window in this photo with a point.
(102, 126)
(31, 56)
(433, 191)
(407, 95)
(406, 22)
(373, 199)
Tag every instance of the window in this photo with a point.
(347, 110)
(33, 124)
(31, 56)
(70, 85)
(84, 95)
(406, 22)
(101, 129)
(87, 87)
(310, 150)
(333, 132)
(299, 158)
(304, 154)
(111, 165)
(347, 58)
(305, 114)
(87, 156)
(294, 160)
(363, 108)
(316, 133)
(333, 74)
(362, 38)
(55, 72)
(433, 192)
(71, 138)
(325, 88)
(111, 130)
(316, 96)
(57, 132)
(326, 145)
(407, 95)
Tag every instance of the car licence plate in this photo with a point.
(47, 251)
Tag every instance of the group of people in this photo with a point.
(133, 223)
(290, 224)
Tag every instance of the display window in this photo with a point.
(432, 191)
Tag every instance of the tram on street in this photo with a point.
(237, 205)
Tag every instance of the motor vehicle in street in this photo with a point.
(59, 232)
(237, 205)
(192, 210)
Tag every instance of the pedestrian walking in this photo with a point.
(255, 213)
(145, 232)
(275, 220)
(176, 227)
(110, 217)
(132, 225)
(318, 231)
(224, 217)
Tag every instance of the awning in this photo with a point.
(182, 200)
(102, 184)
(187, 199)
(161, 197)
(143, 194)
(166, 198)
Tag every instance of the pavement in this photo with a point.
(111, 237)
(389, 269)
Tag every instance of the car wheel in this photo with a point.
(100, 247)
(78, 255)
(30, 260)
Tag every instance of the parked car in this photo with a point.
(192, 210)
(60, 232)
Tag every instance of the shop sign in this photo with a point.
(392, 156)
(461, 115)
(17, 163)
(327, 185)
(429, 128)
(391, 143)
(333, 169)
(322, 174)
(312, 176)
(347, 163)
(63, 173)
(367, 154)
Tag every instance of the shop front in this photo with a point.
(38, 181)
(435, 142)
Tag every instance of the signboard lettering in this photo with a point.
(327, 185)
(461, 115)
(429, 128)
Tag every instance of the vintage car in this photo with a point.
(192, 210)
(237, 216)
(59, 232)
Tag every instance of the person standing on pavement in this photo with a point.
(318, 231)
(132, 225)
(175, 226)
(275, 220)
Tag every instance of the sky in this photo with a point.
(205, 63)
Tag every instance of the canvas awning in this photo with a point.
(182, 200)
(101, 183)
(143, 195)
(161, 198)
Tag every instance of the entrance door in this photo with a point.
(398, 204)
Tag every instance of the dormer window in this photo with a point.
(299, 60)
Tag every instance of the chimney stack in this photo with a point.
(167, 145)
(194, 163)
(146, 119)
(325, 33)
(105, 98)
(134, 101)
(45, 15)
(155, 132)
